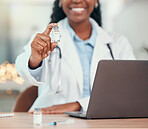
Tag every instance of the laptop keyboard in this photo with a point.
(78, 114)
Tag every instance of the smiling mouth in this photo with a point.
(78, 10)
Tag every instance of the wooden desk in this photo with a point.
(25, 121)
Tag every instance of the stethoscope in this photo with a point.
(111, 52)
(108, 46)
(60, 59)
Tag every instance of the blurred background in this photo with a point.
(20, 19)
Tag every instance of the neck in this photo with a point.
(82, 29)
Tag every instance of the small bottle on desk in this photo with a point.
(37, 117)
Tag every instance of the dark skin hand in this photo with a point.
(61, 108)
(41, 47)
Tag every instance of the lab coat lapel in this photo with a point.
(100, 51)
(69, 53)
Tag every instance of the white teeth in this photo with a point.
(78, 9)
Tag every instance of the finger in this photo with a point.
(46, 39)
(55, 112)
(44, 55)
(53, 46)
(49, 28)
(52, 110)
(49, 47)
(37, 47)
(42, 43)
(48, 110)
(48, 52)
(30, 112)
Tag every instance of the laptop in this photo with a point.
(120, 90)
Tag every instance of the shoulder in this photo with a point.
(118, 39)
(62, 22)
(121, 46)
(112, 37)
(117, 36)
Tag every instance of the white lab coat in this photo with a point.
(71, 87)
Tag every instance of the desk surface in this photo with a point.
(25, 121)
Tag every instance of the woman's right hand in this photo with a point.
(41, 47)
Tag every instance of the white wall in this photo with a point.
(132, 21)
(3, 32)
(28, 20)
(20, 19)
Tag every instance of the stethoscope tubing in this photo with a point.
(108, 46)
(111, 52)
(60, 59)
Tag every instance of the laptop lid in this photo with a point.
(120, 90)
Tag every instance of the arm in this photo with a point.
(68, 107)
(40, 48)
(36, 73)
(21, 65)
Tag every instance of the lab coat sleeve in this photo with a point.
(36, 72)
(21, 65)
(84, 103)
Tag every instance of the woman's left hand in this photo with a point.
(59, 109)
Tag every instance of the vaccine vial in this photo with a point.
(37, 117)
(55, 34)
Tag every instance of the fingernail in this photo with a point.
(45, 55)
(30, 112)
(49, 52)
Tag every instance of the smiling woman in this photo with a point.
(58, 13)
(78, 13)
(73, 61)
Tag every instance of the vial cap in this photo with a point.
(55, 28)
(38, 109)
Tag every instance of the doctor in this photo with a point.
(64, 73)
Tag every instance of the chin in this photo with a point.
(79, 19)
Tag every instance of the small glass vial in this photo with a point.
(37, 117)
(55, 34)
